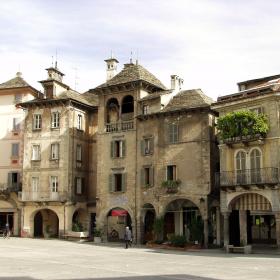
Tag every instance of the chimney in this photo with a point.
(176, 82)
(111, 67)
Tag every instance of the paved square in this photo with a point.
(55, 259)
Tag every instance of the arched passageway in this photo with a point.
(117, 220)
(112, 111)
(149, 215)
(80, 220)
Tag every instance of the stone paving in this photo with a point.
(29, 259)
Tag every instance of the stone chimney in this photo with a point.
(176, 82)
(111, 67)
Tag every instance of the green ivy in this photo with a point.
(242, 123)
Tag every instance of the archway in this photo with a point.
(149, 215)
(46, 224)
(8, 210)
(112, 111)
(117, 220)
(80, 220)
(251, 220)
(182, 217)
(127, 108)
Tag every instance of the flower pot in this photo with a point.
(97, 239)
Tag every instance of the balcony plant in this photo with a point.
(242, 126)
(171, 185)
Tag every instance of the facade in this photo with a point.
(155, 156)
(11, 141)
(59, 175)
(249, 167)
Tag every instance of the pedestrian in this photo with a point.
(7, 230)
(127, 237)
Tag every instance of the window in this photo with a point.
(37, 121)
(147, 176)
(36, 152)
(240, 165)
(117, 182)
(55, 151)
(171, 174)
(79, 185)
(145, 109)
(54, 184)
(173, 133)
(15, 149)
(255, 165)
(79, 122)
(79, 155)
(18, 98)
(147, 146)
(35, 184)
(13, 179)
(16, 124)
(118, 149)
(55, 120)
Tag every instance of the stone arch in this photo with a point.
(127, 104)
(250, 201)
(112, 110)
(80, 219)
(148, 216)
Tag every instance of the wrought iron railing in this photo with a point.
(268, 175)
(119, 126)
(42, 196)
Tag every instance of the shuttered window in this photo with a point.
(147, 146)
(118, 149)
(79, 185)
(54, 184)
(15, 149)
(171, 173)
(117, 182)
(147, 176)
(37, 121)
(173, 133)
(36, 155)
(55, 120)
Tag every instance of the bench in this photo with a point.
(71, 235)
(247, 249)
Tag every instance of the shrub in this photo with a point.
(78, 227)
(178, 240)
(97, 232)
(242, 123)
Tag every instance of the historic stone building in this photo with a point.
(59, 167)
(155, 155)
(11, 142)
(249, 167)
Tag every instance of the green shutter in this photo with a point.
(111, 183)
(123, 148)
(142, 147)
(151, 145)
(142, 177)
(112, 149)
(151, 179)
(123, 182)
(10, 180)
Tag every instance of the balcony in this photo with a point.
(13, 187)
(120, 126)
(260, 176)
(42, 196)
(243, 139)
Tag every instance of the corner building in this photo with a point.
(156, 156)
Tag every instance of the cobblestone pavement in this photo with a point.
(29, 259)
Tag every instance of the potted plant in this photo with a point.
(97, 234)
(171, 185)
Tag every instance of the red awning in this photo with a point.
(119, 213)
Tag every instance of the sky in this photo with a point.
(211, 44)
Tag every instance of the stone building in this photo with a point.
(59, 167)
(11, 142)
(156, 156)
(249, 167)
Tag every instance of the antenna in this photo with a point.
(137, 57)
(55, 58)
(52, 60)
(131, 53)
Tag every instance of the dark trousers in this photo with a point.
(127, 243)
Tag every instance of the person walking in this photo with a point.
(7, 230)
(127, 237)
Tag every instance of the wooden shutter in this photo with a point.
(170, 133)
(142, 143)
(151, 173)
(142, 177)
(112, 149)
(123, 182)
(111, 183)
(10, 179)
(151, 145)
(123, 148)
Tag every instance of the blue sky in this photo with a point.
(211, 44)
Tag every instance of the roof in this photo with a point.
(132, 73)
(188, 99)
(86, 98)
(264, 79)
(17, 82)
(155, 95)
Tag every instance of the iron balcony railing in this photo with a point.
(259, 176)
(119, 126)
(42, 196)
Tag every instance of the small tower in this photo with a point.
(111, 67)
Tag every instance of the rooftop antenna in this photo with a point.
(55, 58)
(137, 57)
(52, 60)
(131, 56)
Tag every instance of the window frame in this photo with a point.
(55, 120)
(173, 133)
(80, 122)
(38, 152)
(37, 121)
(54, 184)
(54, 151)
(174, 172)
(17, 154)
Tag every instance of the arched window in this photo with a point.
(112, 109)
(240, 165)
(127, 105)
(255, 166)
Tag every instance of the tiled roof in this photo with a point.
(188, 99)
(17, 82)
(131, 73)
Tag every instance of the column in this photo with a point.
(226, 228)
(277, 219)
(205, 229)
(218, 226)
(243, 227)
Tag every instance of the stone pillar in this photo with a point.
(277, 219)
(139, 234)
(226, 228)
(218, 226)
(16, 224)
(205, 229)
(243, 227)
